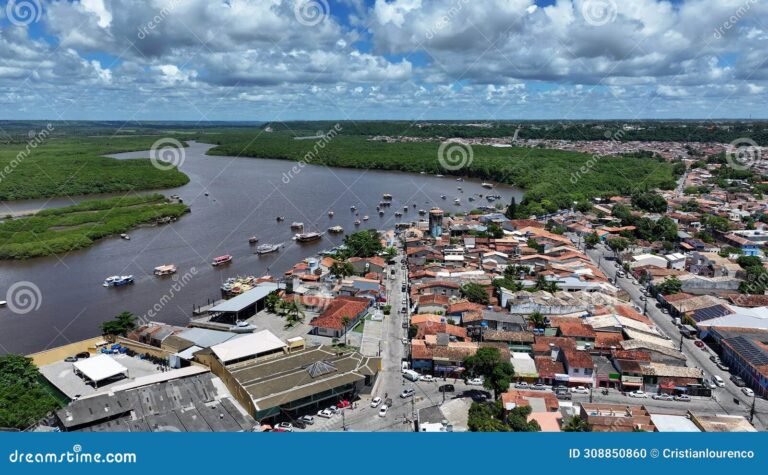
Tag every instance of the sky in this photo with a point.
(206, 60)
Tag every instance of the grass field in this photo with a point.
(61, 230)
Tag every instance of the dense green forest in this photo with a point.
(61, 230)
(552, 179)
(75, 166)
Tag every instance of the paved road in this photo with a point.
(724, 397)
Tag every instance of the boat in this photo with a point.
(225, 259)
(458, 188)
(206, 193)
(267, 248)
(398, 214)
(386, 196)
(330, 214)
(280, 218)
(459, 179)
(253, 240)
(166, 269)
(336, 229)
(118, 280)
(422, 212)
(405, 208)
(442, 197)
(297, 225)
(471, 198)
(490, 198)
(366, 218)
(125, 236)
(457, 201)
(353, 207)
(357, 222)
(381, 213)
(486, 185)
(439, 175)
(308, 237)
(3, 303)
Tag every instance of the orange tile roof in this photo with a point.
(341, 307)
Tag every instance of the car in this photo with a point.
(710, 384)
(299, 424)
(522, 385)
(376, 402)
(426, 378)
(580, 390)
(70, 359)
(309, 420)
(405, 324)
(643, 298)
(342, 404)
(714, 359)
(748, 392)
(407, 393)
(475, 382)
(383, 410)
(664, 310)
(83, 355)
(405, 341)
(538, 387)
(683, 398)
(446, 388)
(723, 366)
(325, 413)
(699, 343)
(738, 381)
(638, 394)
(662, 397)
(285, 426)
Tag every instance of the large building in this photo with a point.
(435, 222)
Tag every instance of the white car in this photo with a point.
(325, 413)
(522, 385)
(580, 390)
(376, 402)
(475, 382)
(426, 377)
(383, 410)
(286, 426)
(748, 392)
(638, 394)
(662, 397)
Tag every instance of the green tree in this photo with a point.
(363, 244)
(341, 269)
(475, 293)
(497, 373)
(591, 240)
(23, 399)
(345, 323)
(389, 254)
(490, 417)
(293, 313)
(749, 261)
(495, 231)
(120, 325)
(618, 244)
(576, 424)
(649, 201)
(413, 330)
(272, 301)
(670, 286)
(537, 319)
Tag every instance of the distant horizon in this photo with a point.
(469, 120)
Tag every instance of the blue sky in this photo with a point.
(382, 59)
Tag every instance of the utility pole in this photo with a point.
(681, 343)
(343, 420)
(752, 409)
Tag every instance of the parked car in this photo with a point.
(522, 385)
(638, 394)
(699, 343)
(342, 404)
(446, 388)
(715, 359)
(427, 378)
(718, 381)
(738, 381)
(748, 392)
(683, 398)
(662, 397)
(723, 366)
(376, 402)
(325, 413)
(285, 426)
(475, 382)
(580, 390)
(407, 393)
(383, 410)
(309, 420)
(539, 387)
(82, 355)
(70, 359)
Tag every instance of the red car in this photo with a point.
(699, 343)
(343, 403)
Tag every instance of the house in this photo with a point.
(579, 367)
(331, 322)
(648, 260)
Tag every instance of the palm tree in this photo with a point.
(576, 424)
(537, 319)
(345, 321)
(342, 269)
(294, 314)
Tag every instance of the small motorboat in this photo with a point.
(352, 208)
(221, 260)
(405, 208)
(381, 213)
(206, 193)
(125, 236)
(422, 212)
(280, 218)
(166, 269)
(267, 248)
(308, 237)
(118, 280)
(3, 303)
(457, 201)
(253, 240)
(386, 196)
(357, 222)
(442, 197)
(330, 214)
(366, 218)
(486, 185)
(336, 229)
(297, 225)
(398, 214)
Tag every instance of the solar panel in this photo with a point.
(748, 350)
(709, 313)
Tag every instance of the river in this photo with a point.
(244, 195)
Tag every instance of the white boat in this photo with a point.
(253, 240)
(308, 237)
(118, 280)
(366, 218)
(422, 212)
(297, 225)
(486, 185)
(336, 229)
(267, 248)
(166, 269)
(357, 222)
(457, 201)
(353, 207)
(442, 196)
(3, 303)
(330, 214)
(386, 196)
(221, 260)
(125, 236)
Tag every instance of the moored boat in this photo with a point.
(308, 237)
(225, 259)
(357, 222)
(486, 185)
(366, 218)
(253, 240)
(297, 225)
(125, 236)
(336, 229)
(267, 248)
(386, 196)
(166, 269)
(280, 218)
(118, 280)
(330, 214)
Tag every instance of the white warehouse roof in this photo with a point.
(249, 345)
(99, 368)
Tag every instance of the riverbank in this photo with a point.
(62, 230)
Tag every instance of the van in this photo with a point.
(718, 381)
(410, 375)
